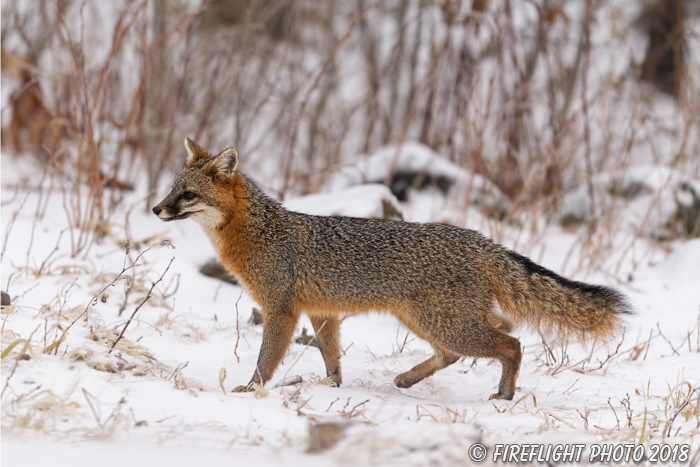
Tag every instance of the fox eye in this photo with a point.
(188, 195)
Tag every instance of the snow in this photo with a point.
(159, 395)
(357, 201)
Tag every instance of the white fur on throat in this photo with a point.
(209, 218)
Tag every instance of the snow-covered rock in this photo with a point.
(416, 166)
(688, 207)
(371, 201)
(656, 199)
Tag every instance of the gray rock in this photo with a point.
(5, 299)
(291, 381)
(256, 318)
(307, 339)
(214, 268)
(324, 435)
(688, 208)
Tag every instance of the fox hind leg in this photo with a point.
(472, 335)
(508, 351)
(441, 359)
(491, 343)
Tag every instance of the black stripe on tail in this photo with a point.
(599, 291)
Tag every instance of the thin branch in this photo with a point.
(24, 349)
(148, 296)
(586, 123)
(94, 298)
(238, 330)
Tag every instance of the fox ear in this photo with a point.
(226, 163)
(194, 152)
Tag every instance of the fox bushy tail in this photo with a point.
(557, 306)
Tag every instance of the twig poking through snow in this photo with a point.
(238, 330)
(148, 296)
(615, 413)
(55, 249)
(11, 223)
(349, 414)
(26, 345)
(54, 347)
(222, 378)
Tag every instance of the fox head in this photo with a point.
(200, 190)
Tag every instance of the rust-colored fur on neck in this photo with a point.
(236, 241)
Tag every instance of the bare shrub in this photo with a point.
(521, 92)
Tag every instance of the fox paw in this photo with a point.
(501, 396)
(248, 388)
(336, 382)
(403, 381)
(336, 378)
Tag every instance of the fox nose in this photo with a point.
(157, 210)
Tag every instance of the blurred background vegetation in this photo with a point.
(536, 96)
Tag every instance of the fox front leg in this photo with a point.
(328, 335)
(278, 329)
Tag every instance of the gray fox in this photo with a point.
(442, 282)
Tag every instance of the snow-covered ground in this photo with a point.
(163, 394)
